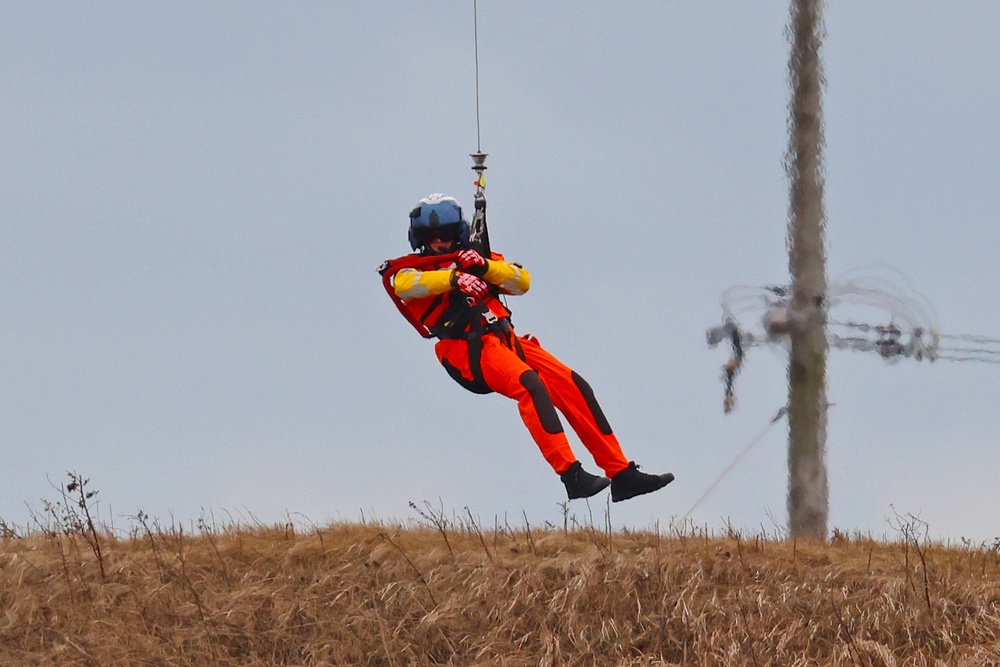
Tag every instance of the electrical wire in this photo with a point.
(739, 457)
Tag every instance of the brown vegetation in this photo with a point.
(450, 592)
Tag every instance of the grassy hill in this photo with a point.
(442, 591)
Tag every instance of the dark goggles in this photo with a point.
(447, 233)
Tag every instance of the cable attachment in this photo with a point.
(479, 161)
(479, 236)
(479, 166)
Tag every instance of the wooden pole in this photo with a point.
(808, 503)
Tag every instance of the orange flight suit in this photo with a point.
(478, 347)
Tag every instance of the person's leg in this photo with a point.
(574, 397)
(489, 364)
(505, 373)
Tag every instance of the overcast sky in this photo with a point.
(196, 196)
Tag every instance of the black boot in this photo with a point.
(581, 484)
(630, 483)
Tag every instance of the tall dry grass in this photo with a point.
(451, 592)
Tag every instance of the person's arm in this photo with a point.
(510, 277)
(414, 284)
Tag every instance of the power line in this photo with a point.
(909, 330)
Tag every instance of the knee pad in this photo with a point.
(595, 407)
(547, 414)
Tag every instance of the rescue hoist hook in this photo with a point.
(479, 234)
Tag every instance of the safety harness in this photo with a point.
(462, 319)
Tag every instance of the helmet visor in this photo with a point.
(447, 233)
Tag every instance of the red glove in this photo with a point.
(469, 284)
(472, 262)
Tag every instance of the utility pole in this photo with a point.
(808, 501)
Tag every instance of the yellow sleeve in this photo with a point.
(510, 277)
(413, 284)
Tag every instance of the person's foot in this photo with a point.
(630, 483)
(581, 484)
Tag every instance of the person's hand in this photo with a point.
(472, 262)
(469, 284)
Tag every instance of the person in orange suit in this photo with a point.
(449, 291)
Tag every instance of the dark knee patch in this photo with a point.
(543, 402)
(595, 407)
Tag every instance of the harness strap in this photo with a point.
(519, 349)
(500, 325)
(476, 361)
(477, 384)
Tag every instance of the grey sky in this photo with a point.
(197, 195)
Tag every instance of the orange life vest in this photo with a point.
(448, 315)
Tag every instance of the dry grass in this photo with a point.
(439, 592)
